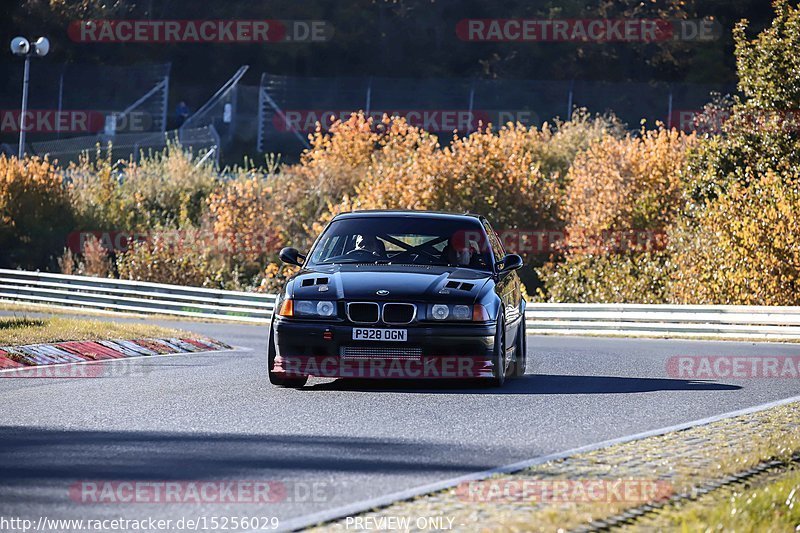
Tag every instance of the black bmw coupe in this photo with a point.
(400, 295)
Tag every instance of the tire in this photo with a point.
(520, 352)
(277, 379)
(499, 354)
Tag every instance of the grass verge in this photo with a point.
(16, 331)
(681, 460)
(23, 307)
(770, 504)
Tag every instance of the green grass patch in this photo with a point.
(16, 331)
(772, 505)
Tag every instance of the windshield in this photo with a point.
(403, 240)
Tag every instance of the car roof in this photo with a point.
(377, 213)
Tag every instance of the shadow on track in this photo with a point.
(33, 454)
(529, 384)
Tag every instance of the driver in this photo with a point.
(460, 249)
(368, 243)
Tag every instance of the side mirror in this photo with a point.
(291, 256)
(509, 263)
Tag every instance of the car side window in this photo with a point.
(494, 242)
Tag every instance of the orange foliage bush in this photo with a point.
(190, 262)
(621, 184)
(240, 214)
(94, 261)
(513, 175)
(330, 170)
(35, 212)
(742, 248)
(487, 172)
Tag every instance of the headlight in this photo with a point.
(474, 313)
(303, 307)
(308, 308)
(326, 308)
(462, 312)
(440, 312)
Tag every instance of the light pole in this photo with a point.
(20, 46)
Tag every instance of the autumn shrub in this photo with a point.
(492, 173)
(515, 175)
(328, 171)
(622, 194)
(743, 247)
(170, 187)
(241, 214)
(166, 188)
(629, 183)
(95, 190)
(558, 143)
(498, 175)
(190, 261)
(641, 277)
(403, 172)
(94, 260)
(736, 241)
(35, 212)
(275, 276)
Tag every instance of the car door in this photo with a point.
(507, 287)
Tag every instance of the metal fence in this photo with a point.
(80, 86)
(277, 115)
(290, 106)
(716, 321)
(126, 146)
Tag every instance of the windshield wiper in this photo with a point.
(356, 262)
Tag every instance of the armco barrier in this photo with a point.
(60, 290)
(718, 321)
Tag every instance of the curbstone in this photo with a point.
(12, 357)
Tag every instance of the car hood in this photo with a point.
(403, 283)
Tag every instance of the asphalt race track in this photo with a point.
(215, 416)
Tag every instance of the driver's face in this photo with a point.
(366, 243)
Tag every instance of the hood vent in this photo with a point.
(308, 282)
(460, 285)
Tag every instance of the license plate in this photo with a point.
(377, 334)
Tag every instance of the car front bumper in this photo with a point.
(443, 351)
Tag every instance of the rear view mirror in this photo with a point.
(509, 263)
(291, 256)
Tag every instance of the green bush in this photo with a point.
(162, 189)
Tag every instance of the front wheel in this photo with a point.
(520, 352)
(499, 355)
(280, 380)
